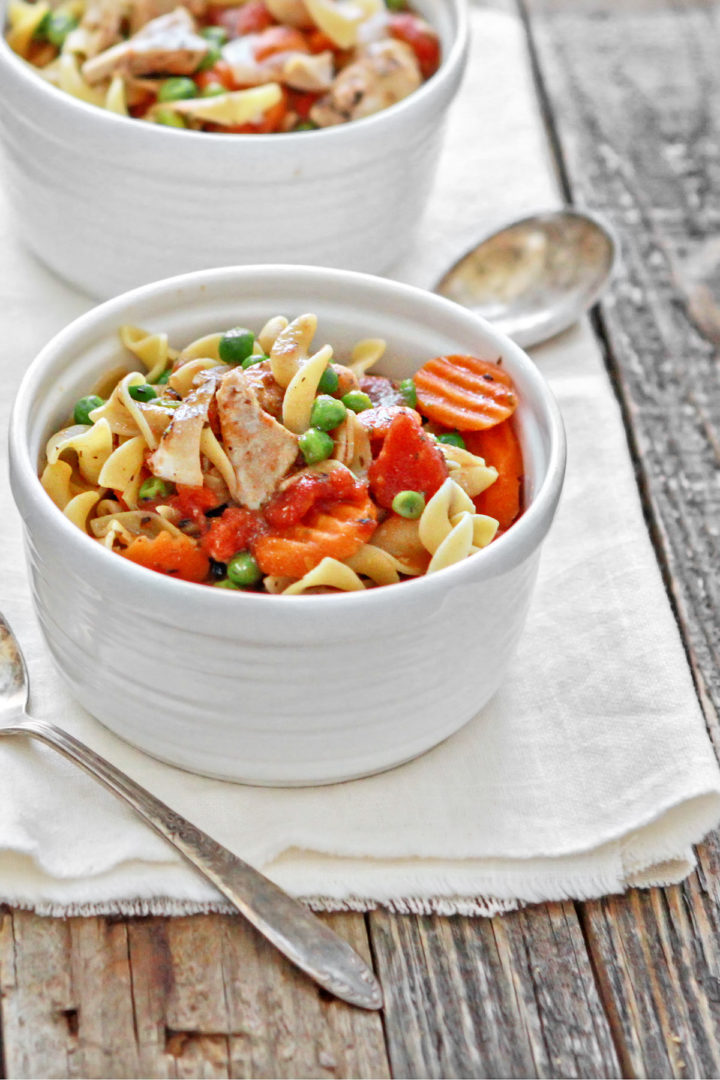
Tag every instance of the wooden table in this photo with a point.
(628, 985)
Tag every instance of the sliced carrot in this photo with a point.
(178, 556)
(336, 530)
(500, 447)
(465, 393)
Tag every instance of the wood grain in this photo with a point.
(510, 996)
(632, 96)
(192, 997)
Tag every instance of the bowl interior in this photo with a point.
(349, 308)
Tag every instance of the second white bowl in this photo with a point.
(110, 203)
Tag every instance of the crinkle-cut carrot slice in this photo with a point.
(464, 392)
(178, 556)
(499, 446)
(337, 530)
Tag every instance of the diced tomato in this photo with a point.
(377, 421)
(301, 103)
(421, 38)
(291, 505)
(193, 502)
(233, 531)
(499, 446)
(221, 72)
(178, 556)
(279, 39)
(250, 18)
(319, 42)
(408, 461)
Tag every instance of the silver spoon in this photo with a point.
(291, 928)
(535, 277)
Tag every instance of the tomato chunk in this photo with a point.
(250, 18)
(377, 421)
(220, 72)
(421, 38)
(291, 505)
(233, 531)
(193, 502)
(408, 461)
(278, 39)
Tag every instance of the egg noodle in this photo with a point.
(256, 461)
(248, 67)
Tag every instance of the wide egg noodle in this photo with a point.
(23, 20)
(181, 381)
(328, 574)
(206, 347)
(133, 407)
(56, 480)
(291, 347)
(450, 529)
(366, 354)
(152, 349)
(456, 546)
(374, 563)
(123, 470)
(80, 507)
(135, 522)
(93, 446)
(270, 331)
(301, 391)
(468, 470)
(115, 99)
(352, 445)
(212, 449)
(177, 458)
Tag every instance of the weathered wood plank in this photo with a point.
(633, 93)
(194, 997)
(503, 997)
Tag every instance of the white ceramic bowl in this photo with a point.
(110, 203)
(274, 689)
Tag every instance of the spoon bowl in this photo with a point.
(535, 277)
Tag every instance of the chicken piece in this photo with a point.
(385, 72)
(268, 392)
(100, 27)
(177, 458)
(165, 46)
(260, 449)
(290, 13)
(144, 11)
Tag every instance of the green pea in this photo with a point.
(329, 381)
(218, 34)
(155, 488)
(305, 125)
(236, 345)
(357, 401)
(409, 504)
(452, 438)
(253, 359)
(83, 408)
(163, 377)
(56, 27)
(225, 584)
(214, 89)
(243, 570)
(408, 391)
(168, 118)
(142, 392)
(395, 5)
(177, 89)
(315, 446)
(327, 412)
(211, 57)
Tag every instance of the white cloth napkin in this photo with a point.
(590, 770)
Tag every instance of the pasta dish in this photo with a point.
(257, 461)
(253, 68)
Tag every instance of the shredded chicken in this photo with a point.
(386, 72)
(144, 11)
(268, 392)
(100, 27)
(259, 448)
(168, 45)
(177, 458)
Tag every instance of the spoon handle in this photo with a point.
(291, 928)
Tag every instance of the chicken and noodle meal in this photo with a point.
(258, 461)
(257, 67)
